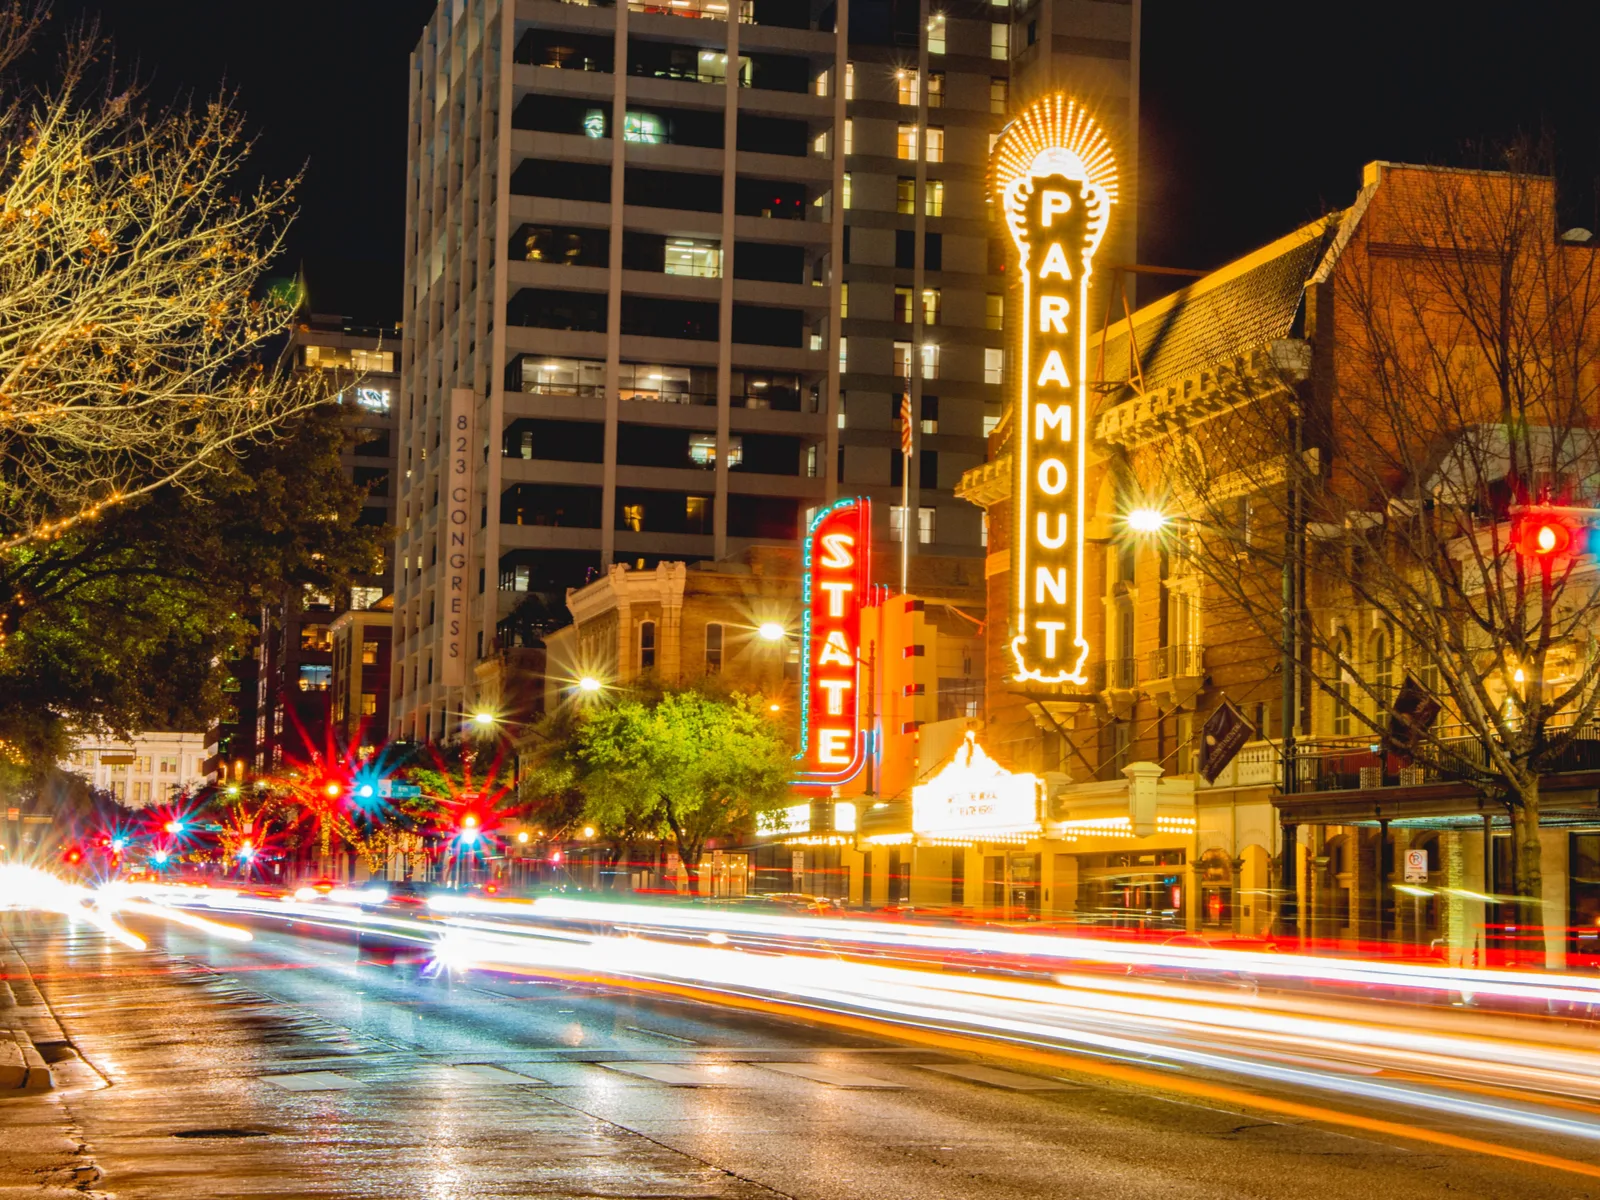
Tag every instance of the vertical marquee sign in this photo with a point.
(838, 583)
(1056, 182)
(457, 534)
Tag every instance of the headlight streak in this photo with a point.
(1009, 990)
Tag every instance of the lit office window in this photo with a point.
(314, 678)
(999, 94)
(999, 41)
(991, 422)
(844, 190)
(902, 307)
(902, 359)
(849, 81)
(844, 300)
(936, 34)
(930, 306)
(930, 361)
(994, 311)
(695, 257)
(905, 142)
(703, 450)
(645, 128)
(594, 123)
(844, 355)
(925, 525)
(935, 89)
(897, 522)
(338, 358)
(905, 196)
(932, 190)
(849, 137)
(994, 361)
(633, 517)
(907, 85)
(933, 143)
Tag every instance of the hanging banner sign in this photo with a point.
(457, 533)
(1056, 182)
(838, 583)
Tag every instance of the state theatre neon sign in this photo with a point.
(1056, 182)
(838, 583)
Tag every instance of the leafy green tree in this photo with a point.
(128, 622)
(690, 763)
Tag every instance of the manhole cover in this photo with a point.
(222, 1133)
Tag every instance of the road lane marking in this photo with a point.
(312, 1081)
(995, 1077)
(486, 1073)
(832, 1076)
(672, 1074)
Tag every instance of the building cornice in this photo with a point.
(986, 485)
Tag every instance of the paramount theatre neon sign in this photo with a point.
(1056, 182)
(838, 585)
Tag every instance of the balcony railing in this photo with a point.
(1171, 662)
(711, 10)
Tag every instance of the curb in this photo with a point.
(22, 1068)
(24, 1016)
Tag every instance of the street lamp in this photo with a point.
(589, 684)
(484, 719)
(1147, 520)
(771, 631)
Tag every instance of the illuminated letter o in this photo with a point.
(1052, 477)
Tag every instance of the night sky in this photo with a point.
(1257, 114)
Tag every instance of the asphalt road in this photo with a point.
(281, 1068)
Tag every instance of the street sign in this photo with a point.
(390, 790)
(1416, 866)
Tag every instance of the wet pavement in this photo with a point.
(281, 1068)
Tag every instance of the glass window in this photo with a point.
(897, 522)
(844, 354)
(994, 311)
(697, 514)
(563, 376)
(667, 384)
(905, 196)
(902, 359)
(991, 422)
(703, 450)
(594, 123)
(369, 654)
(845, 189)
(849, 137)
(907, 85)
(341, 358)
(647, 645)
(930, 361)
(369, 704)
(933, 189)
(930, 414)
(316, 637)
(844, 300)
(902, 310)
(930, 306)
(315, 678)
(999, 94)
(849, 84)
(936, 34)
(925, 525)
(935, 89)
(994, 361)
(643, 127)
(713, 648)
(695, 257)
(933, 142)
(374, 399)
(363, 598)
(999, 41)
(906, 142)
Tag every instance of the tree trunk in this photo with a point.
(1529, 910)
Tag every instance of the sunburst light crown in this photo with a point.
(1055, 134)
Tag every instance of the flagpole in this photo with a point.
(905, 524)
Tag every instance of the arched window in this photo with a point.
(1343, 681)
(1383, 669)
(647, 646)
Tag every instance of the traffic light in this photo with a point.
(471, 826)
(1543, 537)
(73, 856)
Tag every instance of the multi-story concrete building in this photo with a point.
(618, 293)
(147, 770)
(363, 655)
(295, 707)
(629, 301)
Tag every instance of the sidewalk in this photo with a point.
(41, 1153)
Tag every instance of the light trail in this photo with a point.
(1301, 1028)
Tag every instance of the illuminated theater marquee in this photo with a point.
(838, 584)
(1056, 183)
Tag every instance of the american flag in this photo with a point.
(905, 424)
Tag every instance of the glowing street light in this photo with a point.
(484, 719)
(589, 684)
(174, 826)
(333, 790)
(588, 831)
(160, 858)
(771, 631)
(246, 851)
(1147, 520)
(522, 838)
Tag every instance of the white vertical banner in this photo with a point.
(457, 535)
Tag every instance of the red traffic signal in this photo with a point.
(1541, 536)
(73, 856)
